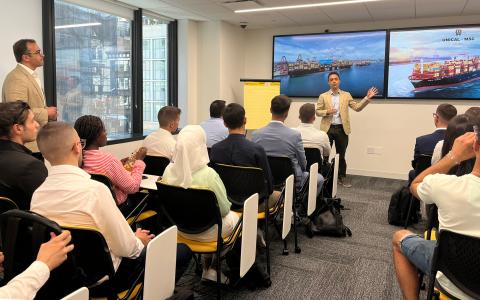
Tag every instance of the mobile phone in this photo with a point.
(477, 133)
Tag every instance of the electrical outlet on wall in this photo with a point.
(372, 150)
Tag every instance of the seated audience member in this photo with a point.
(50, 255)
(189, 169)
(21, 172)
(457, 199)
(92, 131)
(473, 112)
(69, 197)
(456, 127)
(161, 142)
(279, 140)
(425, 144)
(311, 136)
(214, 127)
(237, 150)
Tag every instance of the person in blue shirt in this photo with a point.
(214, 127)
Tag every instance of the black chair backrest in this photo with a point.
(422, 162)
(192, 210)
(281, 167)
(457, 256)
(155, 165)
(242, 182)
(7, 204)
(22, 233)
(313, 155)
(91, 253)
(106, 181)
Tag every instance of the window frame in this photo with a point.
(49, 68)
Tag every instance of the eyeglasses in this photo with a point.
(83, 143)
(38, 52)
(24, 107)
(434, 115)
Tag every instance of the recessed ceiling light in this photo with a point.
(304, 5)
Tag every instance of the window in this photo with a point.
(155, 70)
(93, 53)
(103, 67)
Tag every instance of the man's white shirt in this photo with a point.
(69, 197)
(314, 138)
(160, 143)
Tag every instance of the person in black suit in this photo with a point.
(21, 173)
(238, 151)
(425, 144)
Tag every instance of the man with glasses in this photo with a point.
(21, 173)
(425, 144)
(23, 83)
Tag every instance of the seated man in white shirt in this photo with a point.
(311, 136)
(69, 197)
(161, 142)
(458, 202)
(50, 255)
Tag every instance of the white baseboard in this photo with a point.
(380, 174)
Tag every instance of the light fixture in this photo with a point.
(304, 5)
(77, 25)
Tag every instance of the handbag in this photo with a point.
(327, 220)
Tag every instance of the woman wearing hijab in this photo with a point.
(189, 169)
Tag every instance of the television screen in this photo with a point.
(302, 62)
(435, 63)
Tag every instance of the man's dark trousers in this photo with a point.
(336, 133)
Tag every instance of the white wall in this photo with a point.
(232, 62)
(18, 19)
(389, 126)
(187, 70)
(211, 63)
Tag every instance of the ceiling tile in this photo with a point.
(439, 8)
(388, 10)
(347, 13)
(307, 17)
(472, 8)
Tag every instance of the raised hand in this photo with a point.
(371, 92)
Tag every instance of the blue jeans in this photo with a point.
(418, 251)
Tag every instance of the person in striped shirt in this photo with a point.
(92, 130)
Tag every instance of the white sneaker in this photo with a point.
(211, 274)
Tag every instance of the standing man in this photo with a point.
(332, 106)
(23, 83)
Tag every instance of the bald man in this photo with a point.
(69, 196)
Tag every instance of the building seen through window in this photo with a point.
(93, 67)
(155, 70)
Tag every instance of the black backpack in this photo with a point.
(327, 220)
(398, 208)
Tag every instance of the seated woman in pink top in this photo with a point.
(91, 129)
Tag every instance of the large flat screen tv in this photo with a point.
(435, 63)
(302, 62)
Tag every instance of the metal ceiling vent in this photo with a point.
(242, 4)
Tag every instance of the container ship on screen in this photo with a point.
(303, 67)
(433, 75)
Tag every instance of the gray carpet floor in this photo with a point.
(357, 267)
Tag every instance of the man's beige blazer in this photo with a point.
(20, 85)
(325, 102)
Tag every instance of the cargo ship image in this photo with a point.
(303, 67)
(432, 75)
